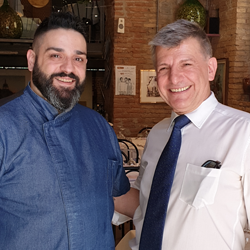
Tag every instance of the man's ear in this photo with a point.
(212, 67)
(31, 58)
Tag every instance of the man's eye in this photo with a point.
(163, 69)
(79, 59)
(55, 56)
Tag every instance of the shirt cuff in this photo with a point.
(119, 219)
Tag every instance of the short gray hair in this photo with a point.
(173, 34)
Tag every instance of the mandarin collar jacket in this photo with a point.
(58, 176)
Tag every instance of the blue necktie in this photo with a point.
(154, 221)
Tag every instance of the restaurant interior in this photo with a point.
(120, 79)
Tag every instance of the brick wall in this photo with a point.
(234, 44)
(131, 48)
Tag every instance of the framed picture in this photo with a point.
(220, 83)
(149, 91)
(125, 80)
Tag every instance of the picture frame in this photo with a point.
(125, 80)
(220, 83)
(148, 87)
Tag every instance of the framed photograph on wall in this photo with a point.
(149, 91)
(125, 80)
(220, 83)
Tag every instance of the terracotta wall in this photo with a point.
(131, 49)
(142, 20)
(234, 44)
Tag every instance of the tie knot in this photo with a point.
(181, 121)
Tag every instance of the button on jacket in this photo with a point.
(58, 174)
(208, 208)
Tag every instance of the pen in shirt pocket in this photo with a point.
(212, 164)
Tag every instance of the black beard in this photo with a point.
(62, 99)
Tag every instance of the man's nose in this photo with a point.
(67, 66)
(175, 75)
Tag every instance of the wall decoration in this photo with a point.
(38, 3)
(149, 90)
(193, 11)
(220, 83)
(125, 80)
(11, 25)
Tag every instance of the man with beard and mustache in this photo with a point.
(60, 162)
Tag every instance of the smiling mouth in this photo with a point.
(180, 89)
(65, 80)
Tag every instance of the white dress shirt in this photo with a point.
(208, 208)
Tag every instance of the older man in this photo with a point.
(205, 204)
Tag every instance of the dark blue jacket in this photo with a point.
(58, 174)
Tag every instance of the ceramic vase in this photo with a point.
(10, 22)
(192, 10)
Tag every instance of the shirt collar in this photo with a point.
(200, 115)
(43, 107)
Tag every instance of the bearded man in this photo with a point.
(60, 162)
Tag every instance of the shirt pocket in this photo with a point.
(199, 185)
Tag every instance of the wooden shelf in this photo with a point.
(7, 40)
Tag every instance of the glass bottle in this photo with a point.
(11, 25)
(192, 10)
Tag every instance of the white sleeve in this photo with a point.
(246, 185)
